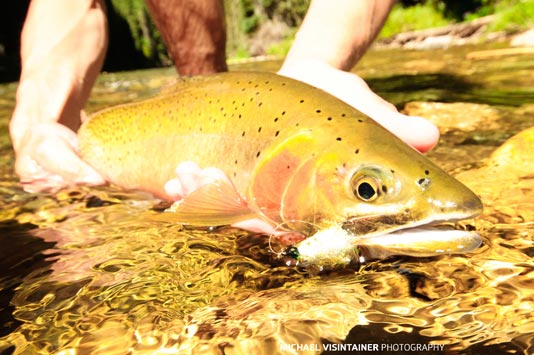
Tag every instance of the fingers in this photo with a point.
(47, 160)
(190, 177)
(416, 131)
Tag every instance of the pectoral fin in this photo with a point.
(214, 204)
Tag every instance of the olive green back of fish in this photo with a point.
(228, 120)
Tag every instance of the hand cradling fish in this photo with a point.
(294, 156)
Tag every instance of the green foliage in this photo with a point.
(456, 10)
(250, 17)
(513, 16)
(416, 17)
(147, 38)
(282, 48)
(241, 53)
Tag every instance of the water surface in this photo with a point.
(87, 270)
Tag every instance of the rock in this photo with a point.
(506, 181)
(438, 42)
(461, 116)
(525, 39)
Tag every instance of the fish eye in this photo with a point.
(374, 183)
(366, 188)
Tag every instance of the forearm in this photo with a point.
(338, 32)
(63, 44)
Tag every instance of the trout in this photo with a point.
(296, 157)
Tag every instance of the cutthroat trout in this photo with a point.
(297, 158)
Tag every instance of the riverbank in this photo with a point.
(273, 40)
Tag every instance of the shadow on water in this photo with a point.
(15, 266)
(444, 87)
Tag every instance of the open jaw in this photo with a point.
(338, 246)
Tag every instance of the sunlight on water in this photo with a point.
(88, 271)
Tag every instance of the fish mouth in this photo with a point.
(373, 226)
(390, 235)
(338, 246)
(420, 241)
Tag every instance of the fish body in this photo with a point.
(296, 156)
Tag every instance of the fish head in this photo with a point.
(372, 183)
(373, 196)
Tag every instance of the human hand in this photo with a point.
(349, 87)
(46, 158)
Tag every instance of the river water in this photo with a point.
(84, 271)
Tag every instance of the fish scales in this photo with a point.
(298, 158)
(224, 120)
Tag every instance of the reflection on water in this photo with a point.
(89, 271)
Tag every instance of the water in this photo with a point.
(87, 270)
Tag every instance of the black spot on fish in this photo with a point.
(329, 119)
(392, 171)
(283, 113)
(235, 161)
(239, 116)
(243, 89)
(261, 103)
(356, 151)
(276, 119)
(343, 115)
(427, 172)
(277, 133)
(338, 139)
(243, 134)
(384, 189)
(259, 129)
(283, 84)
(301, 101)
(318, 111)
(297, 124)
(359, 120)
(258, 154)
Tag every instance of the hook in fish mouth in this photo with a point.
(336, 247)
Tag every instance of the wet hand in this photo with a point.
(190, 177)
(46, 158)
(416, 131)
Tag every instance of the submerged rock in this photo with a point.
(506, 180)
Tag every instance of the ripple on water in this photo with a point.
(88, 271)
